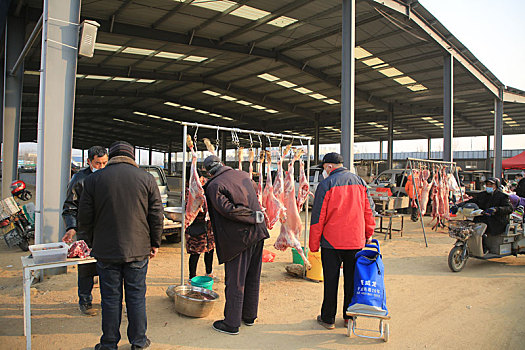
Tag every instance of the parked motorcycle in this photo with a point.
(469, 237)
(16, 222)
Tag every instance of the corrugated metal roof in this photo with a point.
(234, 52)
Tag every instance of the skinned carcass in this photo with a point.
(240, 156)
(278, 186)
(251, 158)
(291, 225)
(425, 190)
(274, 208)
(195, 194)
(260, 183)
(304, 188)
(440, 192)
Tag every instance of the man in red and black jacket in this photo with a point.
(342, 222)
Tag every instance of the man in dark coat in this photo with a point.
(240, 231)
(520, 189)
(97, 159)
(496, 205)
(121, 217)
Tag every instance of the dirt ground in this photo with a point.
(482, 307)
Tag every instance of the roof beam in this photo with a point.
(171, 12)
(218, 16)
(264, 20)
(413, 15)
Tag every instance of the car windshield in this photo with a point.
(384, 177)
(156, 174)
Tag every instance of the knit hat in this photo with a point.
(121, 148)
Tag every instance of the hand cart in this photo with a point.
(384, 328)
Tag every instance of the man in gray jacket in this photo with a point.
(121, 217)
(240, 231)
(97, 159)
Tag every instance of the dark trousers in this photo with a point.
(332, 259)
(112, 277)
(208, 262)
(86, 272)
(242, 280)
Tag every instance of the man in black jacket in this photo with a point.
(121, 217)
(496, 205)
(97, 159)
(240, 231)
(520, 189)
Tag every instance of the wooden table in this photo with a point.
(28, 267)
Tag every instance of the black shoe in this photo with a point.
(325, 324)
(87, 309)
(249, 322)
(136, 347)
(100, 347)
(220, 326)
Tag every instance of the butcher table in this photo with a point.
(28, 267)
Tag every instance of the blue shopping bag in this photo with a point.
(369, 283)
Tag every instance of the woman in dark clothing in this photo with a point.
(199, 239)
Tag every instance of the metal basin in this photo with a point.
(194, 301)
(173, 213)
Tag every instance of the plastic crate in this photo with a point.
(8, 207)
(49, 252)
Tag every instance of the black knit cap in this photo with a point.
(121, 148)
(333, 158)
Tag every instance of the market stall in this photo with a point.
(295, 152)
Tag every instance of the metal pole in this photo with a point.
(448, 106)
(418, 204)
(348, 83)
(390, 149)
(488, 153)
(245, 131)
(316, 141)
(498, 135)
(183, 204)
(32, 38)
(380, 149)
(83, 158)
(429, 148)
(12, 106)
(223, 147)
(169, 158)
(306, 227)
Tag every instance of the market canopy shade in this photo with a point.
(516, 162)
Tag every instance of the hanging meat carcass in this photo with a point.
(304, 188)
(261, 179)
(240, 156)
(278, 186)
(425, 190)
(195, 198)
(251, 158)
(291, 225)
(440, 192)
(274, 208)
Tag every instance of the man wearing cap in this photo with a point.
(520, 189)
(342, 222)
(97, 159)
(240, 231)
(496, 205)
(121, 217)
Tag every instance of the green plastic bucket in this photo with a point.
(297, 259)
(202, 282)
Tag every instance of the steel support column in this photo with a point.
(390, 149)
(348, 83)
(380, 149)
(487, 165)
(83, 158)
(169, 158)
(223, 147)
(498, 135)
(448, 107)
(316, 141)
(12, 102)
(55, 114)
(150, 154)
(429, 148)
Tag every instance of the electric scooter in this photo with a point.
(469, 237)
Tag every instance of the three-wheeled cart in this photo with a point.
(384, 328)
